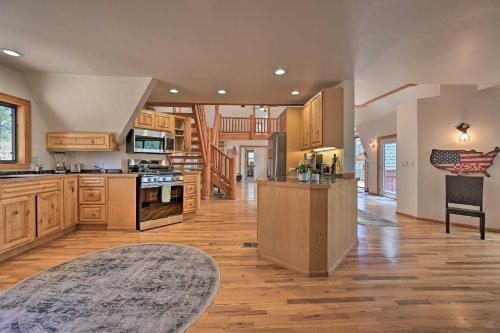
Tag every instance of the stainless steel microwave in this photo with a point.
(150, 142)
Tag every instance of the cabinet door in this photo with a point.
(70, 202)
(317, 122)
(187, 134)
(48, 212)
(121, 203)
(305, 127)
(79, 142)
(17, 222)
(164, 122)
(146, 119)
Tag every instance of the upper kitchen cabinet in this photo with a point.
(164, 122)
(81, 141)
(153, 120)
(145, 119)
(305, 127)
(182, 133)
(322, 120)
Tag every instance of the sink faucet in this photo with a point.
(39, 168)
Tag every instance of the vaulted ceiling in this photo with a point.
(200, 46)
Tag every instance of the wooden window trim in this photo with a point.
(23, 130)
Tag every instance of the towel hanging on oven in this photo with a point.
(165, 193)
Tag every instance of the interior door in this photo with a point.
(388, 167)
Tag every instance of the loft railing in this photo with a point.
(249, 126)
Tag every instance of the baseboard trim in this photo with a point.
(37, 242)
(341, 259)
(456, 224)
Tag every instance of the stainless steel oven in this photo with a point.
(159, 200)
(150, 142)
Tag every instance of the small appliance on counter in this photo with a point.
(75, 167)
(314, 160)
(60, 159)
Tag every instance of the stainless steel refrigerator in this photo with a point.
(277, 155)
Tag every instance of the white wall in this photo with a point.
(349, 153)
(371, 131)
(437, 118)
(237, 143)
(90, 103)
(407, 158)
(13, 83)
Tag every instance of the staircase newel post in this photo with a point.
(233, 191)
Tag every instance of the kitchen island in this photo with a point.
(307, 227)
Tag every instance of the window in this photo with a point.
(8, 133)
(15, 132)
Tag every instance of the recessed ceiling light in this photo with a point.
(280, 71)
(295, 92)
(11, 53)
(221, 92)
(174, 91)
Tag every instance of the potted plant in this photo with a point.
(315, 175)
(303, 172)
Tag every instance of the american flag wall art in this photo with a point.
(463, 161)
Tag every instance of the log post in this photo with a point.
(206, 187)
(233, 190)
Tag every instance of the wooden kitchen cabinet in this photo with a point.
(92, 199)
(305, 127)
(192, 196)
(322, 120)
(121, 203)
(187, 133)
(81, 141)
(317, 121)
(70, 198)
(17, 222)
(49, 214)
(145, 119)
(163, 122)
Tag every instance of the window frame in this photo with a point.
(14, 133)
(22, 132)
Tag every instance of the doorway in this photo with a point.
(387, 166)
(361, 164)
(253, 162)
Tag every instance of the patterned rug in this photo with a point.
(135, 288)
(369, 220)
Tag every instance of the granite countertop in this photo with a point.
(323, 183)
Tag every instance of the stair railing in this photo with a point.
(224, 167)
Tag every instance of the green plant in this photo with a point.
(303, 168)
(315, 171)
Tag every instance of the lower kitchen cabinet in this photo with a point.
(191, 200)
(17, 222)
(49, 213)
(121, 203)
(70, 194)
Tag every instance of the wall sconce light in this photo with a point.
(373, 144)
(464, 137)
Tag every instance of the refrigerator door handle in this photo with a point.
(275, 160)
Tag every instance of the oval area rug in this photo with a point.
(134, 288)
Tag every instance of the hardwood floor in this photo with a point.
(413, 278)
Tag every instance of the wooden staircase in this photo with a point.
(218, 169)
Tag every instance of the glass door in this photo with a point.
(388, 166)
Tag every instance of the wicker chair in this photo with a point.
(465, 191)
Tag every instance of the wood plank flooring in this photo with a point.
(408, 279)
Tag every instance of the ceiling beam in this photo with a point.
(365, 104)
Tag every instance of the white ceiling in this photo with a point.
(200, 46)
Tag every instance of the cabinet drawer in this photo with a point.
(189, 205)
(92, 213)
(190, 178)
(92, 181)
(189, 190)
(92, 196)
